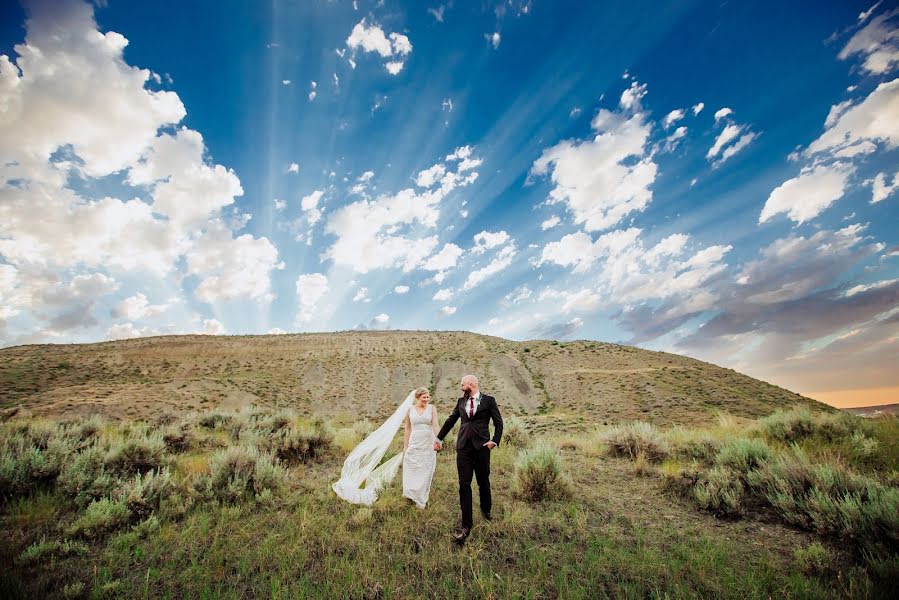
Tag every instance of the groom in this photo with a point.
(473, 446)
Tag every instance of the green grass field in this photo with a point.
(237, 505)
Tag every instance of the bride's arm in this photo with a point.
(434, 426)
(407, 433)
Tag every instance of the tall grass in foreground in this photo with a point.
(238, 505)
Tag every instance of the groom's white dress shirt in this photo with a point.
(477, 402)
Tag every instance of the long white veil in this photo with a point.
(359, 466)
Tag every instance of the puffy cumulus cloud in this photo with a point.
(673, 117)
(604, 179)
(448, 310)
(74, 112)
(71, 86)
(401, 289)
(808, 195)
(376, 233)
(877, 42)
(443, 295)
(311, 288)
(309, 204)
(550, 222)
(230, 267)
(137, 307)
(632, 273)
(212, 327)
(371, 38)
(486, 240)
(361, 295)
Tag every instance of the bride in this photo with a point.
(420, 458)
(362, 479)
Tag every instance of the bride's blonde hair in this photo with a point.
(420, 392)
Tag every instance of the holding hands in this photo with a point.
(438, 445)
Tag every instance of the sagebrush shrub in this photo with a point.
(240, 473)
(719, 491)
(788, 426)
(515, 433)
(85, 477)
(539, 474)
(137, 453)
(743, 454)
(632, 438)
(100, 517)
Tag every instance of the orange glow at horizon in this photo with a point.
(856, 397)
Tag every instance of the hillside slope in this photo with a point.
(364, 374)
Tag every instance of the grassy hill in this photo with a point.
(365, 374)
(200, 467)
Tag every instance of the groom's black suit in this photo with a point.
(472, 456)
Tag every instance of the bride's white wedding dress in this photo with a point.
(420, 459)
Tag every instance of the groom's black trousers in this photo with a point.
(473, 459)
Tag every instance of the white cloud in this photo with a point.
(381, 319)
(293, 168)
(443, 295)
(448, 310)
(124, 331)
(285, 82)
(275, 331)
(371, 38)
(437, 13)
(672, 117)
(808, 195)
(232, 268)
(604, 179)
(108, 129)
(280, 205)
(721, 113)
(493, 38)
(502, 260)
(697, 108)
(311, 288)
(875, 119)
(137, 307)
(550, 223)
(444, 260)
(212, 327)
(878, 42)
(486, 240)
(309, 204)
(880, 189)
(361, 295)
(401, 289)
(375, 233)
(738, 134)
(430, 176)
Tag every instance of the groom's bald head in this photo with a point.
(470, 382)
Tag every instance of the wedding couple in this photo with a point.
(420, 444)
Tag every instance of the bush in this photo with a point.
(301, 444)
(632, 438)
(37, 551)
(813, 559)
(238, 473)
(692, 444)
(213, 419)
(842, 425)
(28, 462)
(678, 477)
(102, 516)
(137, 453)
(178, 438)
(831, 499)
(743, 454)
(719, 491)
(539, 474)
(144, 493)
(515, 433)
(788, 426)
(85, 478)
(83, 431)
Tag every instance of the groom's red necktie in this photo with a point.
(471, 408)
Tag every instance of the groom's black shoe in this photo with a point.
(487, 516)
(461, 534)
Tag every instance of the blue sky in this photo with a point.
(709, 178)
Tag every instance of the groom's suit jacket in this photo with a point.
(477, 426)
